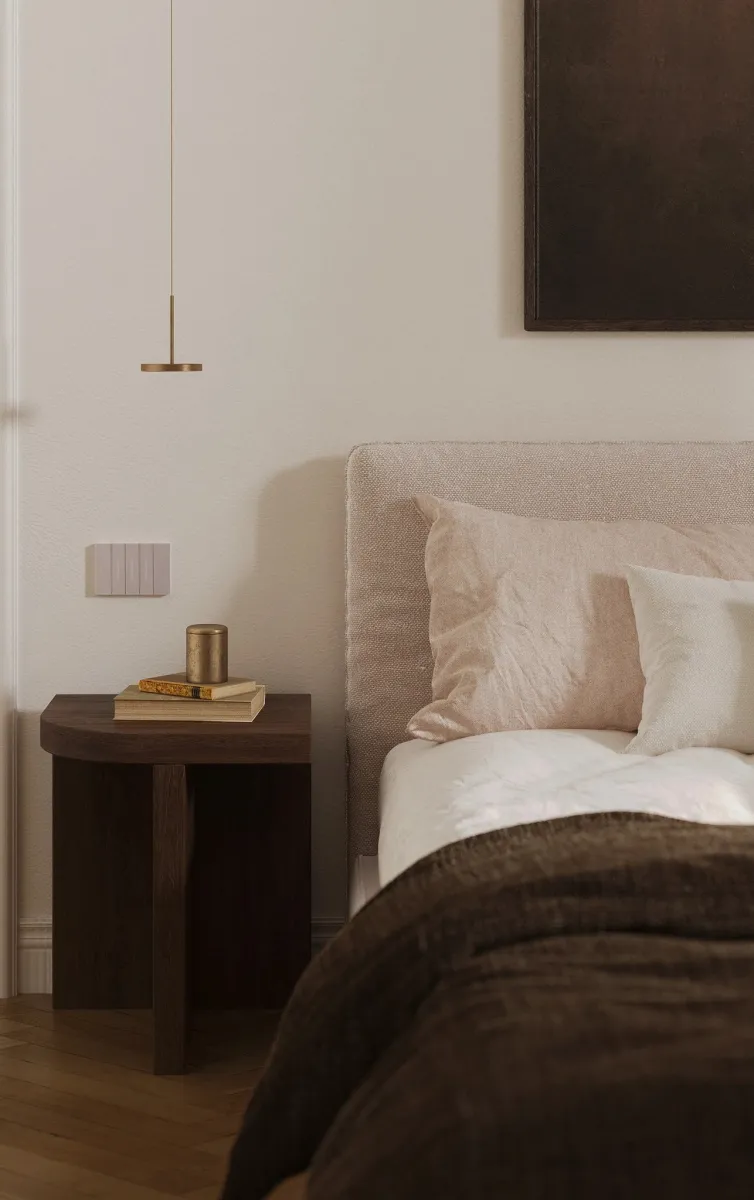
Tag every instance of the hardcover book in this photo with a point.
(134, 705)
(178, 685)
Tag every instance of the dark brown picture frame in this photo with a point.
(639, 172)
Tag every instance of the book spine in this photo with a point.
(189, 691)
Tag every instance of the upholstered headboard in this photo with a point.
(389, 664)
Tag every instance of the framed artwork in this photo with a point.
(639, 164)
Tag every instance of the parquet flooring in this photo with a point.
(81, 1114)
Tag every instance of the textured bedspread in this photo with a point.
(558, 1011)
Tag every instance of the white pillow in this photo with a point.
(696, 647)
(531, 624)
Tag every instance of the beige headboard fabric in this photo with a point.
(389, 664)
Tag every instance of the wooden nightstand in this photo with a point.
(181, 862)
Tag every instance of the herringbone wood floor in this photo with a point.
(81, 1115)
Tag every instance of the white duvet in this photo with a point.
(431, 795)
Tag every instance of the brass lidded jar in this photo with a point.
(206, 653)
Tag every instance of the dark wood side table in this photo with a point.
(181, 862)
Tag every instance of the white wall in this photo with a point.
(350, 264)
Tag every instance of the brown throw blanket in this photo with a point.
(559, 1011)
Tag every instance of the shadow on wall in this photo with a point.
(288, 621)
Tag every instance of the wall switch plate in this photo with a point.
(128, 569)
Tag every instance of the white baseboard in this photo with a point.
(324, 929)
(34, 956)
(35, 950)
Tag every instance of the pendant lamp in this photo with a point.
(172, 365)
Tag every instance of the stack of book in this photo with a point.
(172, 698)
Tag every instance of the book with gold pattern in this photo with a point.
(178, 685)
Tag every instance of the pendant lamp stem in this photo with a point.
(172, 365)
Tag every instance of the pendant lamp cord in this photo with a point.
(172, 189)
(172, 365)
(172, 155)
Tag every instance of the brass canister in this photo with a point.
(206, 653)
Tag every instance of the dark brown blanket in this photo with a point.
(560, 1011)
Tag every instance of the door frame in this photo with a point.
(9, 506)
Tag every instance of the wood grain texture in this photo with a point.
(102, 881)
(639, 172)
(136, 921)
(171, 849)
(82, 1116)
(82, 727)
(251, 894)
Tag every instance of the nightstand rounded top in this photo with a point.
(82, 727)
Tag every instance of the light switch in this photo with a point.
(130, 569)
(118, 569)
(103, 571)
(146, 569)
(161, 569)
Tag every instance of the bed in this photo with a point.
(389, 663)
(546, 987)
(431, 796)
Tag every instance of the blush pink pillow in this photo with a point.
(531, 622)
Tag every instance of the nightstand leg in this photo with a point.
(171, 845)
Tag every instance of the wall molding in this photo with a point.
(324, 929)
(34, 956)
(9, 574)
(35, 950)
